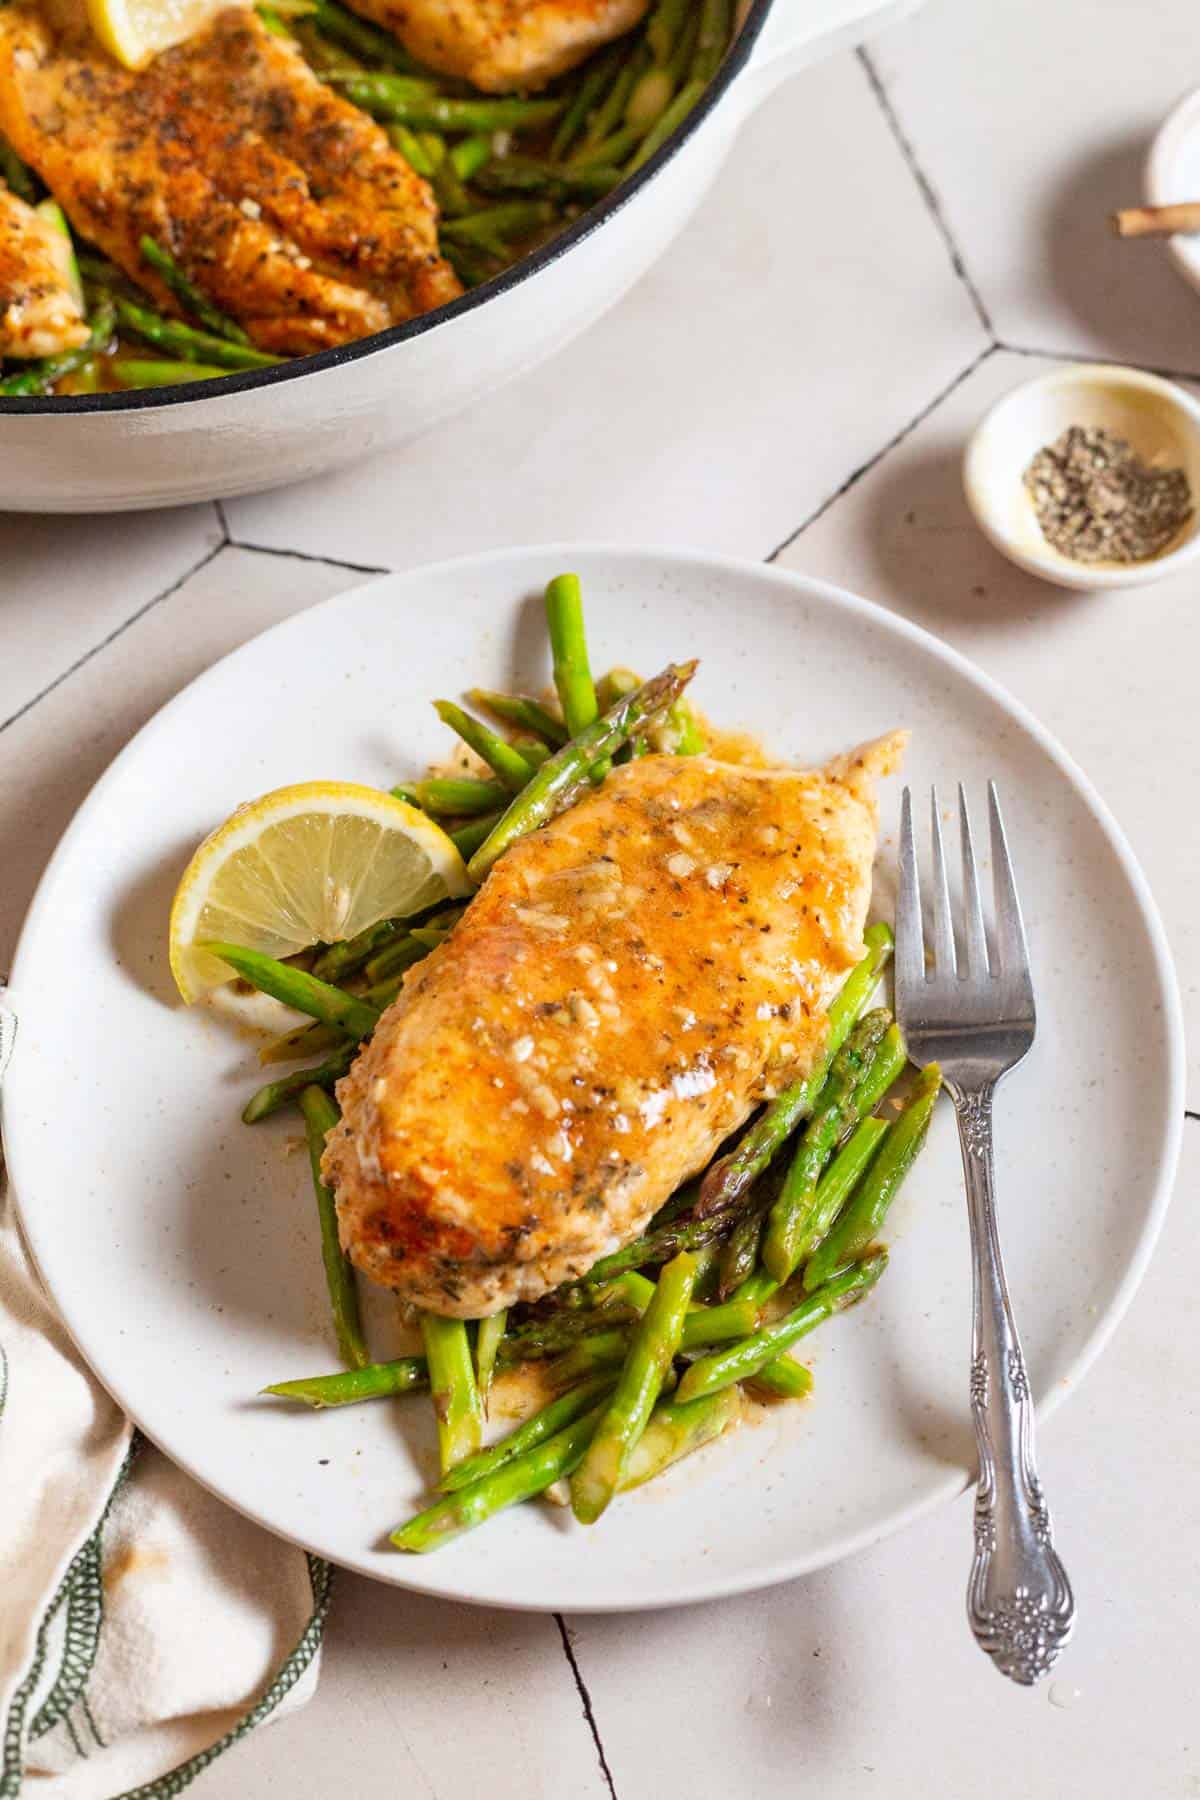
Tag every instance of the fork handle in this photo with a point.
(1019, 1600)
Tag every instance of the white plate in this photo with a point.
(182, 1248)
(1173, 174)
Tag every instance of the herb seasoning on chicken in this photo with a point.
(629, 984)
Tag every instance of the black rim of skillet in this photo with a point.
(253, 380)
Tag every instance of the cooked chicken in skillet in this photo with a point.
(283, 203)
(630, 982)
(502, 44)
(40, 313)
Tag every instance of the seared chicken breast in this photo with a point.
(282, 202)
(40, 314)
(627, 986)
(501, 44)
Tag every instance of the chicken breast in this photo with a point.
(283, 203)
(502, 44)
(40, 314)
(627, 986)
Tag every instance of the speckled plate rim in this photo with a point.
(421, 1575)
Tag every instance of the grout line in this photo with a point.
(905, 431)
(1190, 1115)
(222, 521)
(585, 1699)
(1088, 356)
(926, 189)
(332, 562)
(209, 556)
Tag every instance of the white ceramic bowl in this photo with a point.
(1173, 175)
(1159, 419)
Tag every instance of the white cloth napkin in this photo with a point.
(144, 1627)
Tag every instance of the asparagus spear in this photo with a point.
(783, 1379)
(468, 838)
(281, 1093)
(455, 1392)
(138, 372)
(839, 1181)
(346, 958)
(308, 1040)
(40, 377)
(739, 1254)
(860, 1223)
(528, 175)
(568, 645)
(520, 1478)
(189, 296)
(54, 216)
(664, 26)
(374, 1381)
(716, 23)
(510, 764)
(394, 958)
(396, 97)
(863, 1069)
(676, 1429)
(320, 1000)
(179, 339)
(729, 1177)
(600, 1350)
(610, 109)
(566, 774)
(320, 1117)
(652, 1349)
(495, 226)
(471, 155)
(528, 715)
(585, 97)
(544, 1424)
(343, 27)
(488, 1334)
(412, 150)
(608, 152)
(738, 1362)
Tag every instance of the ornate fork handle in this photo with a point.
(1019, 1600)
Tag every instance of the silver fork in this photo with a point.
(975, 1017)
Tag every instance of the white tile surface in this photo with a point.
(1032, 123)
(425, 1701)
(52, 754)
(65, 584)
(1112, 675)
(722, 400)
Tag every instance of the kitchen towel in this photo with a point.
(144, 1627)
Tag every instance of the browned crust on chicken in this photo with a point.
(498, 45)
(40, 314)
(628, 985)
(282, 202)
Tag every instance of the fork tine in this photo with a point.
(943, 918)
(910, 941)
(973, 931)
(1012, 951)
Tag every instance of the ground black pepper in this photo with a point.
(1097, 501)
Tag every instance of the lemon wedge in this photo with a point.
(136, 31)
(309, 864)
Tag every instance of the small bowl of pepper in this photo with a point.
(1088, 477)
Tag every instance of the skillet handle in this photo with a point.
(799, 32)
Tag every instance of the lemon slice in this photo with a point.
(308, 864)
(136, 31)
